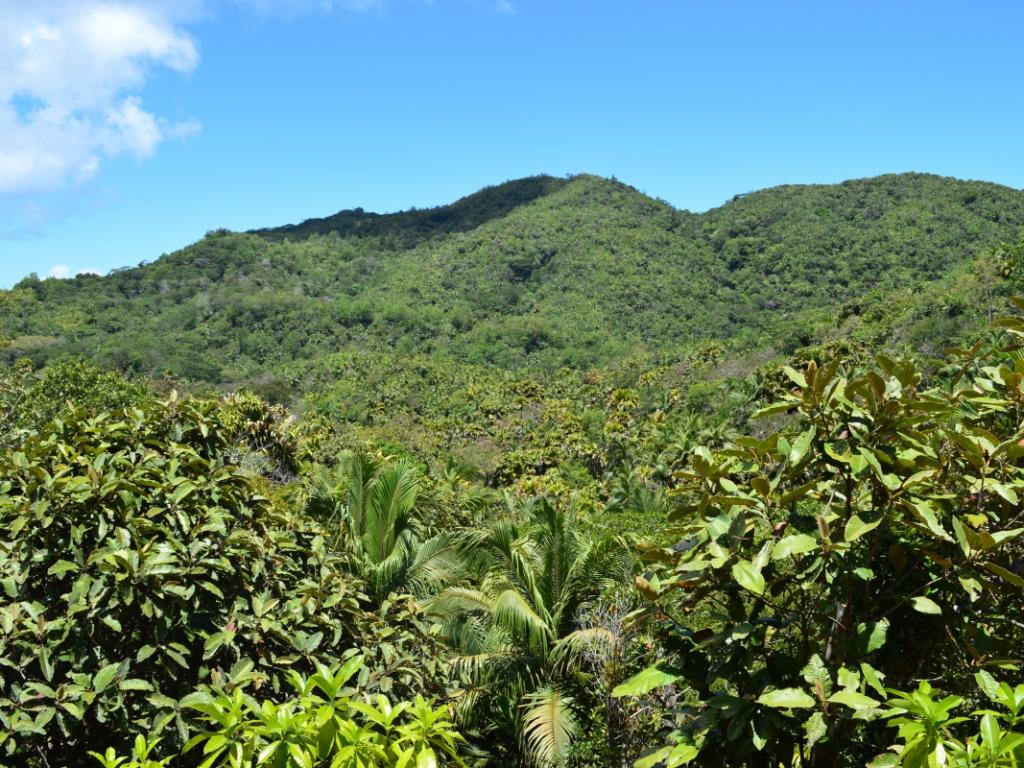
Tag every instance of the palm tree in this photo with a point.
(375, 509)
(516, 634)
(630, 492)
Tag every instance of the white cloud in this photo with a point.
(290, 8)
(70, 73)
(63, 272)
(186, 129)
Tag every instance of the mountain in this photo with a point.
(539, 272)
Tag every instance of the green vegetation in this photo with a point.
(514, 636)
(320, 724)
(874, 541)
(555, 477)
(373, 508)
(540, 272)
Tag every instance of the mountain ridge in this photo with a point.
(322, 224)
(467, 212)
(540, 271)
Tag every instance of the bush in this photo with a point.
(877, 541)
(135, 563)
(322, 723)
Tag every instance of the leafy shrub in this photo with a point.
(877, 541)
(322, 723)
(930, 735)
(29, 399)
(136, 562)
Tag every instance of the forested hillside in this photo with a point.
(554, 477)
(539, 272)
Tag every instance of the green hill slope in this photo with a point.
(537, 272)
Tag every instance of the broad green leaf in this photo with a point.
(795, 376)
(814, 729)
(1004, 574)
(1000, 536)
(758, 740)
(182, 491)
(681, 754)
(787, 698)
(748, 577)
(795, 494)
(856, 527)
(216, 741)
(46, 664)
(105, 677)
(873, 634)
(924, 512)
(795, 544)
(926, 605)
(301, 758)
(848, 678)
(991, 733)
(61, 567)
(852, 699)
(971, 586)
(1008, 494)
(654, 758)
(73, 708)
(815, 672)
(873, 678)
(961, 537)
(644, 682)
(772, 410)
(135, 684)
(988, 685)
(800, 446)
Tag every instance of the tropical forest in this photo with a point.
(555, 476)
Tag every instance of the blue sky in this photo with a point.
(129, 128)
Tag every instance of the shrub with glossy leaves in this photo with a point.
(322, 723)
(929, 733)
(136, 562)
(877, 541)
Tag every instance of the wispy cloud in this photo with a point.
(63, 272)
(291, 8)
(72, 73)
(70, 76)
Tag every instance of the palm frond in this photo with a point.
(360, 468)
(458, 600)
(482, 668)
(437, 562)
(389, 511)
(521, 619)
(387, 575)
(549, 727)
